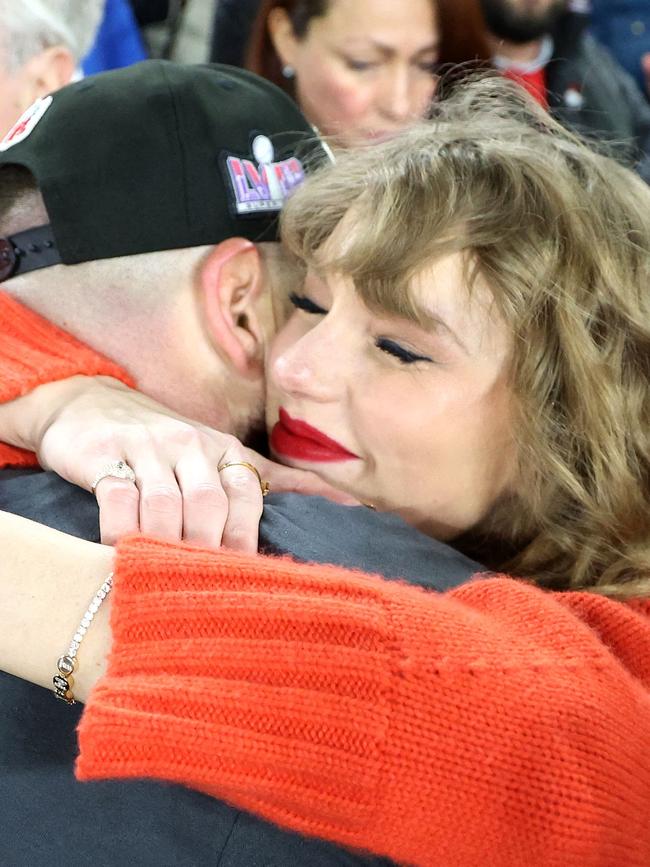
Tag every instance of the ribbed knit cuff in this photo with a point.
(225, 664)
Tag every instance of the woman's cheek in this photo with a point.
(338, 101)
(285, 338)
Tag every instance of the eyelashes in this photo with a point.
(405, 356)
(390, 347)
(301, 302)
(429, 67)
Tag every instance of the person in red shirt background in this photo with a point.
(546, 46)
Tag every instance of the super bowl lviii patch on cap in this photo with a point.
(157, 156)
(262, 184)
(26, 123)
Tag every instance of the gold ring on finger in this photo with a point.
(265, 487)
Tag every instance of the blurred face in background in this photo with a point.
(522, 21)
(12, 98)
(45, 72)
(365, 69)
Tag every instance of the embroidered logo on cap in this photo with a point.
(263, 185)
(26, 123)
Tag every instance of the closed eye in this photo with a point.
(359, 65)
(301, 302)
(405, 356)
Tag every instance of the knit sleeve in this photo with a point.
(493, 724)
(33, 352)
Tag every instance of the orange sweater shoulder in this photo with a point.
(33, 351)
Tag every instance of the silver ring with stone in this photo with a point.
(115, 470)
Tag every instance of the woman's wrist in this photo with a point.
(24, 421)
(47, 580)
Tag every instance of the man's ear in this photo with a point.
(282, 35)
(231, 282)
(46, 72)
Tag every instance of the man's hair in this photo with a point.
(561, 235)
(30, 26)
(21, 204)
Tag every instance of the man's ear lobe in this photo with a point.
(231, 282)
(48, 71)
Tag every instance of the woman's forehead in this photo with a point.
(446, 297)
(453, 296)
(446, 292)
(409, 23)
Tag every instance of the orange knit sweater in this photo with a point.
(494, 725)
(32, 352)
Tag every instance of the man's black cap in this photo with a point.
(158, 156)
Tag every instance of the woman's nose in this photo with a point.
(396, 99)
(313, 367)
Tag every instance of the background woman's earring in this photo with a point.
(288, 71)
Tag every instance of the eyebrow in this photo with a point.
(318, 272)
(423, 319)
(434, 323)
(388, 50)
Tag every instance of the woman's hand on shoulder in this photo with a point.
(178, 491)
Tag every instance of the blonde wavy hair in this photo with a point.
(561, 235)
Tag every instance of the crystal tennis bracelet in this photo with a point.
(67, 664)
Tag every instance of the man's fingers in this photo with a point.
(119, 508)
(205, 504)
(242, 487)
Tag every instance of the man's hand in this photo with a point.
(87, 423)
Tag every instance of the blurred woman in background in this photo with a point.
(362, 70)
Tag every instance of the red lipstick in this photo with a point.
(297, 439)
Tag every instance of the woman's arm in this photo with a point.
(47, 580)
(79, 424)
(495, 724)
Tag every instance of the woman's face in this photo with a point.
(409, 419)
(364, 70)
